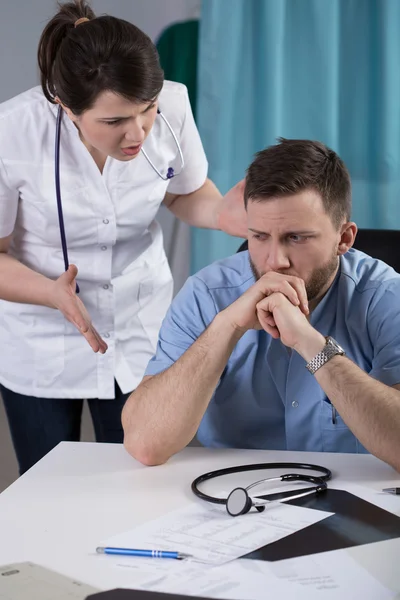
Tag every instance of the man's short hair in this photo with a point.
(293, 166)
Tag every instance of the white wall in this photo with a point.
(22, 21)
(21, 24)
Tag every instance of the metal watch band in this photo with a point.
(330, 350)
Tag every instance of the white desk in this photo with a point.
(81, 494)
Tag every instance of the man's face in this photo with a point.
(293, 235)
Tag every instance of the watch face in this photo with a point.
(335, 345)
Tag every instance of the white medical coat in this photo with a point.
(112, 236)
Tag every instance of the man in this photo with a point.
(233, 350)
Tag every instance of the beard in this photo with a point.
(315, 282)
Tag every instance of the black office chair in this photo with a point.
(379, 243)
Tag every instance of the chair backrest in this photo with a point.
(243, 246)
(380, 243)
(383, 244)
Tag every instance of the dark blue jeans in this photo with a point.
(37, 425)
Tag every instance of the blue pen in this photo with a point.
(145, 553)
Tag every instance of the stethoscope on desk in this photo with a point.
(169, 175)
(239, 502)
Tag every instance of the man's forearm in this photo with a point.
(163, 414)
(369, 408)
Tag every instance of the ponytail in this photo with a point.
(79, 60)
(53, 36)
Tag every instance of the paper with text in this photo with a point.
(334, 575)
(210, 535)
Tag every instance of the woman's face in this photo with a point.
(115, 126)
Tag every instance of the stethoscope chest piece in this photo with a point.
(239, 503)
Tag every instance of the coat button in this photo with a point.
(295, 404)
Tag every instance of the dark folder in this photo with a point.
(354, 522)
(122, 594)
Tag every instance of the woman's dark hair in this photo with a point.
(293, 166)
(103, 54)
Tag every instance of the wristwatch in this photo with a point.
(330, 350)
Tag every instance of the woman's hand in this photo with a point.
(231, 213)
(66, 301)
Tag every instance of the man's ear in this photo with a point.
(348, 232)
(67, 110)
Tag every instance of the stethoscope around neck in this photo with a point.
(170, 172)
(169, 175)
(239, 501)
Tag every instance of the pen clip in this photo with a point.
(393, 490)
(333, 415)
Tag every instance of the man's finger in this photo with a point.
(265, 316)
(270, 321)
(298, 285)
(283, 286)
(273, 331)
(290, 292)
(291, 287)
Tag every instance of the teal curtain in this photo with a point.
(178, 48)
(319, 69)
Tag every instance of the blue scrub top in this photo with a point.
(266, 398)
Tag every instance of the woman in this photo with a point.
(101, 82)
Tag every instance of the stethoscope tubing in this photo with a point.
(58, 186)
(58, 193)
(318, 480)
(170, 174)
